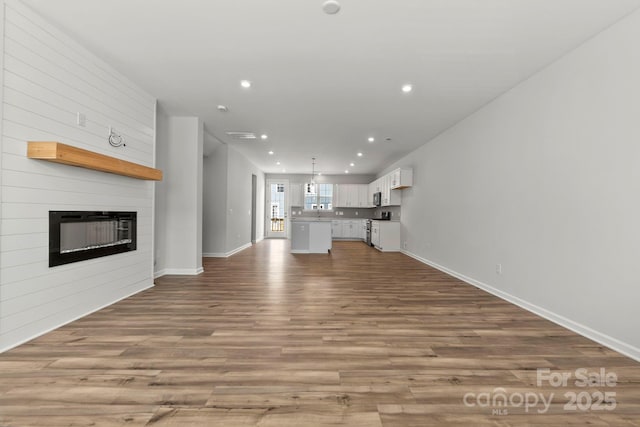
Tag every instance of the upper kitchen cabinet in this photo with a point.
(351, 196)
(389, 197)
(296, 195)
(364, 201)
(401, 178)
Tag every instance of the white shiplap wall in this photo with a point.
(47, 79)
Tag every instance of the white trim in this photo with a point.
(604, 339)
(227, 254)
(159, 273)
(179, 272)
(260, 239)
(2, 17)
(153, 193)
(66, 322)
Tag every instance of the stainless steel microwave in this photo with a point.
(377, 199)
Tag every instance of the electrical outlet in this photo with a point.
(405, 244)
(81, 119)
(498, 268)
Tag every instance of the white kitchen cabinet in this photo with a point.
(364, 201)
(375, 233)
(401, 178)
(385, 190)
(296, 196)
(385, 235)
(389, 197)
(359, 229)
(351, 229)
(348, 229)
(339, 196)
(351, 196)
(383, 186)
(310, 237)
(336, 229)
(390, 184)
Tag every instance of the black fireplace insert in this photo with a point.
(80, 235)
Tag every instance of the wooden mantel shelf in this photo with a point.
(68, 155)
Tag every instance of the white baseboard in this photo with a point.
(179, 272)
(226, 254)
(599, 337)
(73, 319)
(259, 239)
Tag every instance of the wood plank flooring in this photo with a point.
(266, 338)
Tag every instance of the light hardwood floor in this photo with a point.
(266, 338)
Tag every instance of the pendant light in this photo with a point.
(311, 186)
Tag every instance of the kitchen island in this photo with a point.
(310, 236)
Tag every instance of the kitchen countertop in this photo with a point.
(328, 219)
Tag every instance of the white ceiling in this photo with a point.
(322, 84)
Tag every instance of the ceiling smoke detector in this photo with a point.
(223, 108)
(331, 7)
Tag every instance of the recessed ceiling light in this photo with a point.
(223, 108)
(319, 173)
(371, 139)
(278, 163)
(264, 136)
(352, 164)
(271, 153)
(346, 171)
(360, 154)
(331, 7)
(245, 84)
(407, 88)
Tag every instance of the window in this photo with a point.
(318, 196)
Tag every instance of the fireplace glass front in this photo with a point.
(80, 235)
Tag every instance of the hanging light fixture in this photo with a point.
(311, 186)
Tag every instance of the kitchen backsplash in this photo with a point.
(395, 212)
(347, 213)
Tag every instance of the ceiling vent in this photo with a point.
(242, 136)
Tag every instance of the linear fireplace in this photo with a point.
(80, 235)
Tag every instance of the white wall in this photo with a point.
(179, 199)
(227, 200)
(239, 218)
(215, 202)
(48, 78)
(545, 181)
(160, 223)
